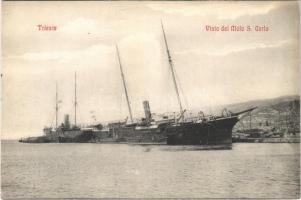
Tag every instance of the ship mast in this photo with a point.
(172, 71)
(75, 99)
(56, 105)
(124, 85)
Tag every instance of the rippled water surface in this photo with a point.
(120, 170)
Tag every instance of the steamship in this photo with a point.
(170, 130)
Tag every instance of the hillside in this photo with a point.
(263, 103)
(281, 115)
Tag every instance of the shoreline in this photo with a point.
(266, 140)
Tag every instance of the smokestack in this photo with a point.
(67, 122)
(147, 111)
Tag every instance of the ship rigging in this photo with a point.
(124, 86)
(172, 71)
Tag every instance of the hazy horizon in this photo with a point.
(206, 110)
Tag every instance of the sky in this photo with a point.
(212, 68)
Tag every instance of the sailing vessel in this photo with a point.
(65, 132)
(212, 130)
(179, 130)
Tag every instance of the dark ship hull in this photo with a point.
(214, 132)
(211, 132)
(78, 136)
(68, 136)
(203, 131)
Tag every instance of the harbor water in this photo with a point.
(249, 170)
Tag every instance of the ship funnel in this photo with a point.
(67, 122)
(147, 111)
